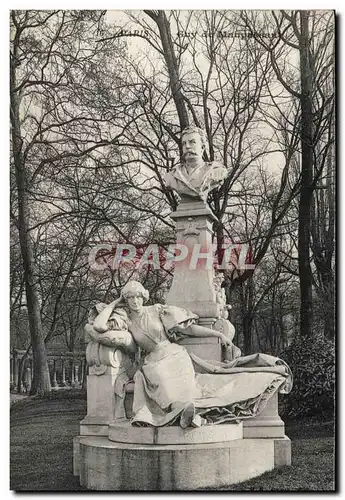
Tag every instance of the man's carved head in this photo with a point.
(193, 142)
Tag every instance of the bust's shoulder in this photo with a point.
(170, 177)
(216, 164)
(218, 171)
(176, 168)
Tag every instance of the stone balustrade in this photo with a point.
(66, 369)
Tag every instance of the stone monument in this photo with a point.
(172, 404)
(192, 286)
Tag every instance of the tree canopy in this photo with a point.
(98, 101)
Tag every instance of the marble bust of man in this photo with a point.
(194, 177)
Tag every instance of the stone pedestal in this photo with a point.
(101, 396)
(115, 456)
(112, 455)
(267, 424)
(282, 452)
(192, 286)
(106, 365)
(100, 403)
(103, 405)
(123, 432)
(107, 465)
(205, 348)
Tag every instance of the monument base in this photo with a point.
(105, 465)
(267, 424)
(208, 348)
(112, 455)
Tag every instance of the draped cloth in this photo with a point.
(228, 392)
(198, 181)
(166, 378)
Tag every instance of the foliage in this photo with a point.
(312, 361)
(100, 128)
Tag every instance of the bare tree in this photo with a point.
(95, 129)
(323, 245)
(41, 380)
(310, 37)
(48, 69)
(223, 84)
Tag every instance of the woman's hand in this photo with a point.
(116, 303)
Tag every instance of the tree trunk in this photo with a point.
(85, 374)
(323, 233)
(172, 65)
(247, 323)
(41, 380)
(21, 363)
(329, 310)
(305, 201)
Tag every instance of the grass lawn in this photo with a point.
(41, 450)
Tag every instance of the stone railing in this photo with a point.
(66, 369)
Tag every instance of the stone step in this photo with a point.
(124, 432)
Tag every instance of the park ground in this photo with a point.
(41, 449)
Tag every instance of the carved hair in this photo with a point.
(134, 288)
(193, 129)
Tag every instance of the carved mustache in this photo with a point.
(190, 153)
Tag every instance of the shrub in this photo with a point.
(312, 362)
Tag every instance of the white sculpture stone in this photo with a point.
(223, 324)
(194, 177)
(190, 377)
(193, 282)
(168, 391)
(166, 386)
(108, 357)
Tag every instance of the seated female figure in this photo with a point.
(166, 387)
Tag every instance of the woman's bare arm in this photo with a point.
(203, 331)
(100, 323)
(122, 339)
